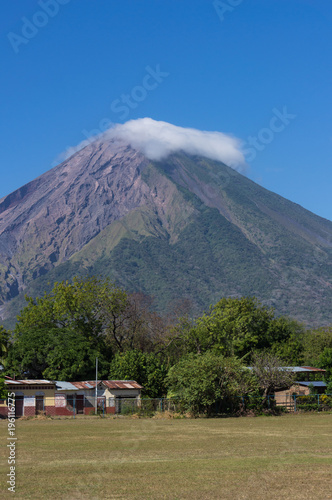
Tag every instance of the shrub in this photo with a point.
(307, 403)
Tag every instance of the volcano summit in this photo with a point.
(142, 206)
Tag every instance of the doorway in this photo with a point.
(19, 405)
(39, 405)
(79, 403)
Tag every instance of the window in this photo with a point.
(70, 400)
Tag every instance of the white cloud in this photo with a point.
(157, 140)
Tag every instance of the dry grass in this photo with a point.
(122, 458)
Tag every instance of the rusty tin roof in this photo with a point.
(11, 381)
(110, 384)
(121, 384)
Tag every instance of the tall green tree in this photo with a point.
(4, 344)
(325, 362)
(199, 381)
(74, 305)
(235, 327)
(60, 334)
(3, 388)
(286, 337)
(56, 354)
(147, 369)
(315, 342)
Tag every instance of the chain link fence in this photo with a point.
(72, 406)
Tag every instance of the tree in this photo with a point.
(3, 388)
(58, 334)
(315, 342)
(4, 343)
(56, 354)
(287, 340)
(72, 305)
(199, 381)
(269, 373)
(129, 322)
(145, 368)
(325, 362)
(235, 327)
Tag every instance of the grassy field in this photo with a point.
(125, 458)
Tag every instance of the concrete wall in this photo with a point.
(55, 401)
(285, 397)
(29, 398)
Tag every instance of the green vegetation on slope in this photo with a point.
(208, 232)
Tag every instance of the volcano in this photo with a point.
(183, 227)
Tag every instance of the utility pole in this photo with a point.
(96, 386)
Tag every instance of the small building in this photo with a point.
(67, 401)
(110, 393)
(286, 397)
(31, 397)
(67, 398)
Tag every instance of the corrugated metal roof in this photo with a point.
(37, 381)
(314, 383)
(298, 369)
(110, 384)
(65, 386)
(294, 369)
(310, 368)
(122, 384)
(303, 369)
(11, 381)
(85, 384)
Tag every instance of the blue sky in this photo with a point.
(231, 66)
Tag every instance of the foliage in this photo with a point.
(4, 343)
(235, 327)
(325, 362)
(307, 403)
(73, 305)
(3, 388)
(60, 334)
(315, 342)
(129, 322)
(325, 401)
(287, 340)
(329, 386)
(199, 381)
(146, 368)
(94, 307)
(54, 353)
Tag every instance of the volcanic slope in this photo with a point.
(185, 227)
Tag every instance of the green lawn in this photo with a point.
(124, 458)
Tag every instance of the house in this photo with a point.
(31, 397)
(67, 398)
(285, 397)
(109, 393)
